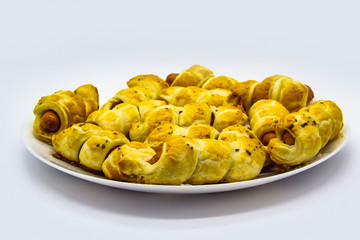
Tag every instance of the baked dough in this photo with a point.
(141, 88)
(70, 107)
(312, 128)
(87, 144)
(292, 94)
(264, 115)
(180, 96)
(218, 117)
(221, 81)
(195, 75)
(182, 160)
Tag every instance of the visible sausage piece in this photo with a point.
(288, 138)
(155, 158)
(171, 77)
(267, 137)
(310, 94)
(50, 121)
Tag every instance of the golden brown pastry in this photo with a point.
(292, 94)
(62, 109)
(184, 160)
(195, 75)
(141, 88)
(158, 136)
(221, 81)
(119, 118)
(218, 117)
(248, 153)
(301, 135)
(180, 96)
(138, 162)
(87, 144)
(264, 115)
(200, 76)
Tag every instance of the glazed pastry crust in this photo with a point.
(70, 107)
(264, 116)
(196, 75)
(90, 95)
(180, 96)
(185, 160)
(311, 127)
(141, 88)
(158, 136)
(246, 92)
(97, 147)
(69, 141)
(221, 81)
(133, 162)
(218, 117)
(292, 94)
(118, 118)
(87, 144)
(248, 154)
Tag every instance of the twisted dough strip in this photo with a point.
(292, 94)
(180, 96)
(301, 135)
(264, 115)
(218, 117)
(237, 156)
(141, 88)
(87, 144)
(200, 76)
(138, 122)
(62, 109)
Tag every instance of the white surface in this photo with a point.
(45, 153)
(50, 45)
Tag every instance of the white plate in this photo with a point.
(44, 153)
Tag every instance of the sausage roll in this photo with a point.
(62, 109)
(196, 75)
(87, 144)
(301, 135)
(202, 77)
(183, 160)
(141, 88)
(180, 96)
(138, 162)
(158, 136)
(292, 94)
(218, 117)
(264, 115)
(247, 152)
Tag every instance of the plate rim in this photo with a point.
(28, 136)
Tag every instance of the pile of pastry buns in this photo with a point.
(191, 128)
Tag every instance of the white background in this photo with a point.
(51, 45)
